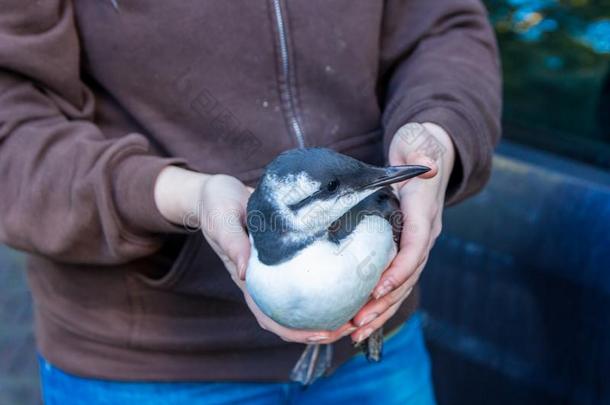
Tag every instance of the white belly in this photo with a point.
(324, 285)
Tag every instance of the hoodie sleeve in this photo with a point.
(67, 191)
(439, 64)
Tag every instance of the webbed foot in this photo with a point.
(312, 364)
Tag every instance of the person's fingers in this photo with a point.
(236, 246)
(401, 152)
(375, 307)
(322, 337)
(365, 331)
(224, 228)
(296, 335)
(376, 312)
(232, 245)
(402, 149)
(418, 158)
(304, 336)
(414, 241)
(236, 274)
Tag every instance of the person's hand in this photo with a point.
(217, 205)
(223, 218)
(421, 203)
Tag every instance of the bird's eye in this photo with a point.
(332, 185)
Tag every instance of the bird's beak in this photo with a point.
(384, 176)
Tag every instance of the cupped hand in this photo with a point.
(421, 203)
(222, 219)
(217, 205)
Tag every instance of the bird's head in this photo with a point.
(308, 189)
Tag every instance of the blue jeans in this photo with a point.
(402, 377)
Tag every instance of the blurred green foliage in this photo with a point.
(556, 62)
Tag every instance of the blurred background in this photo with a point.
(516, 306)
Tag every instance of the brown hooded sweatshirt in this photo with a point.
(95, 101)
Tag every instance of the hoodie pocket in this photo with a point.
(196, 271)
(180, 264)
(196, 306)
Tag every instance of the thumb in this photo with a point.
(233, 241)
(237, 249)
(233, 250)
(420, 158)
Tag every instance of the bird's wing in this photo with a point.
(383, 203)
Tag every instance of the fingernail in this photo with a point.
(241, 268)
(317, 338)
(368, 318)
(351, 330)
(367, 332)
(385, 288)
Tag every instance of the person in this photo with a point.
(126, 126)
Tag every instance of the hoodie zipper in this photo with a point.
(286, 90)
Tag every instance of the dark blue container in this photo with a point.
(517, 291)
